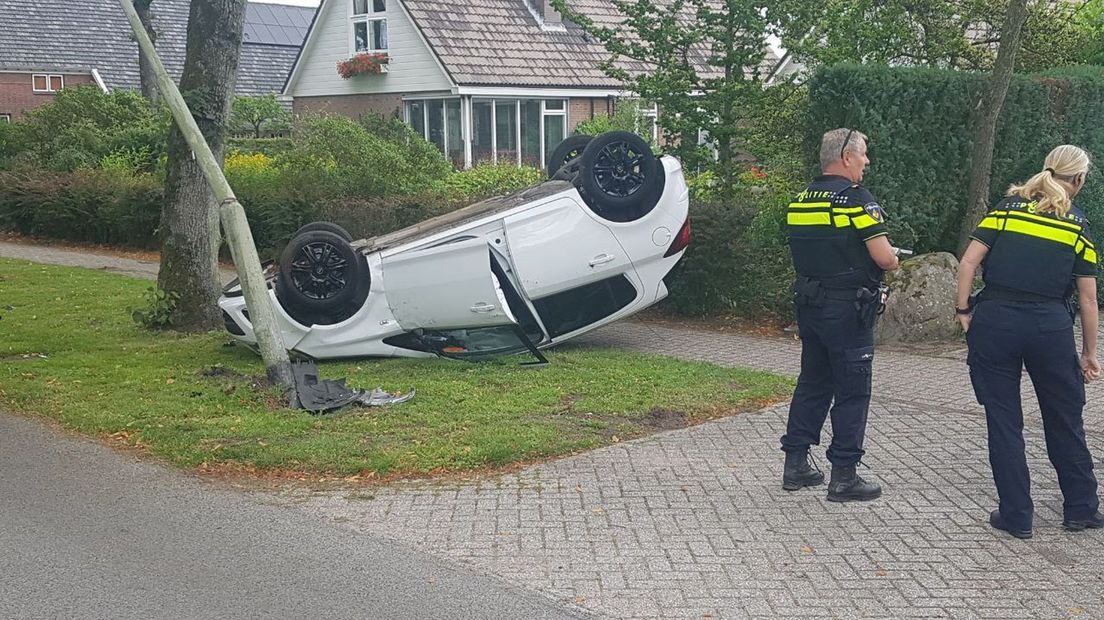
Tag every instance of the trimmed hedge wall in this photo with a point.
(919, 125)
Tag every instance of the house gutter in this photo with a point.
(510, 91)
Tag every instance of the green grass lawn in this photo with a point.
(70, 351)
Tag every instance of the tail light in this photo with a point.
(682, 239)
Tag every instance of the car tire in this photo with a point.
(320, 272)
(327, 226)
(621, 178)
(571, 148)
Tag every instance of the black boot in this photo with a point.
(1095, 522)
(799, 472)
(998, 523)
(848, 486)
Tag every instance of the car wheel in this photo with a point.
(320, 271)
(566, 151)
(327, 226)
(620, 176)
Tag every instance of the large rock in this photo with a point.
(921, 306)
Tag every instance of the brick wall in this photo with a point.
(17, 92)
(352, 106)
(581, 109)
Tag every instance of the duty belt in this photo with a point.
(995, 292)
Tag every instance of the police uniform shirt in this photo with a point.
(828, 226)
(1035, 252)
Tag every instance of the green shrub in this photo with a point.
(101, 206)
(369, 217)
(627, 116)
(415, 150)
(486, 180)
(13, 140)
(738, 259)
(336, 156)
(265, 146)
(158, 311)
(920, 128)
(83, 124)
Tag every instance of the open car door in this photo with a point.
(444, 287)
(451, 303)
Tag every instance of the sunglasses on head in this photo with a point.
(846, 141)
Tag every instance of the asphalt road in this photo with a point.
(89, 532)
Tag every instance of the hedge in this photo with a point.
(919, 125)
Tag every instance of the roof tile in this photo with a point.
(50, 36)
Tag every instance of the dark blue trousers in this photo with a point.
(837, 354)
(1005, 337)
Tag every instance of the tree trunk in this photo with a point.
(145, 68)
(985, 132)
(189, 217)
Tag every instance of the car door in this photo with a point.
(559, 246)
(446, 286)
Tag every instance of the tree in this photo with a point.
(189, 217)
(1091, 18)
(254, 112)
(145, 68)
(700, 61)
(960, 34)
(914, 32)
(985, 132)
(232, 215)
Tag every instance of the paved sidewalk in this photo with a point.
(693, 523)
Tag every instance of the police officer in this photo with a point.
(840, 251)
(1035, 248)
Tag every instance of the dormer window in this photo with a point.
(369, 21)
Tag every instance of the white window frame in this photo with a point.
(5, 118)
(545, 112)
(364, 18)
(645, 112)
(49, 79)
(467, 122)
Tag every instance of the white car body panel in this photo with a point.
(547, 246)
(445, 286)
(558, 246)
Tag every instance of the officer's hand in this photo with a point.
(1090, 367)
(964, 321)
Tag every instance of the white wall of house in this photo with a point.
(412, 66)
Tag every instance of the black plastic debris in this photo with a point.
(318, 395)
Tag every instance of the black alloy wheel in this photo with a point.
(320, 270)
(621, 177)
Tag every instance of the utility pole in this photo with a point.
(231, 215)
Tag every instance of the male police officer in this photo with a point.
(840, 252)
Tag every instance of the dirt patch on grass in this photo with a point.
(24, 357)
(221, 371)
(665, 419)
(231, 380)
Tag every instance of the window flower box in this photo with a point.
(363, 64)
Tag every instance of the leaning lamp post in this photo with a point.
(231, 214)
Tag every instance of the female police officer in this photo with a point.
(1034, 245)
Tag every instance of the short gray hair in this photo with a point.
(832, 144)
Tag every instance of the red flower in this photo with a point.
(362, 63)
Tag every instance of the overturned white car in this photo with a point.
(505, 275)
